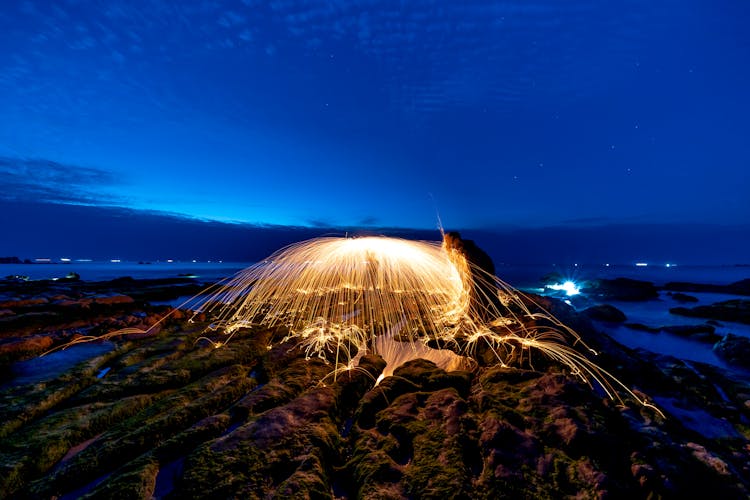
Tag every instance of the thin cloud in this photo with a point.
(319, 222)
(39, 180)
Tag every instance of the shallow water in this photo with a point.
(53, 365)
(655, 313)
(166, 478)
(698, 420)
(664, 343)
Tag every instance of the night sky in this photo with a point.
(503, 116)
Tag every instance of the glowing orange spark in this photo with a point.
(344, 297)
(341, 298)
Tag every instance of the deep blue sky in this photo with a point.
(375, 113)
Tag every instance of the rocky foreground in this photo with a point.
(170, 416)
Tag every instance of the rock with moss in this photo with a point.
(170, 415)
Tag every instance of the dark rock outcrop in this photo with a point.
(737, 310)
(703, 333)
(475, 255)
(687, 330)
(735, 350)
(169, 415)
(643, 328)
(483, 290)
(620, 289)
(737, 288)
(605, 312)
(682, 297)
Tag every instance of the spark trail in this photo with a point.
(341, 298)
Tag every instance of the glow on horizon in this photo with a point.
(278, 129)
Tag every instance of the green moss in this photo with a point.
(310, 480)
(371, 468)
(150, 427)
(209, 474)
(136, 480)
(437, 469)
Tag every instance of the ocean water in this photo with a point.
(531, 276)
(102, 271)
(520, 276)
(654, 313)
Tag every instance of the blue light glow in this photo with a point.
(569, 287)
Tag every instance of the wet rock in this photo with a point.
(620, 289)
(735, 350)
(113, 299)
(708, 458)
(737, 310)
(23, 303)
(738, 288)
(19, 348)
(704, 332)
(247, 421)
(605, 312)
(682, 297)
(643, 328)
(70, 277)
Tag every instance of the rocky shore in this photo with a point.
(38, 315)
(169, 416)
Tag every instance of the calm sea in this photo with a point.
(102, 271)
(530, 276)
(520, 276)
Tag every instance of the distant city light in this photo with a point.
(114, 261)
(641, 264)
(43, 260)
(170, 260)
(64, 259)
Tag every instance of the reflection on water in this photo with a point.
(48, 367)
(655, 313)
(665, 343)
